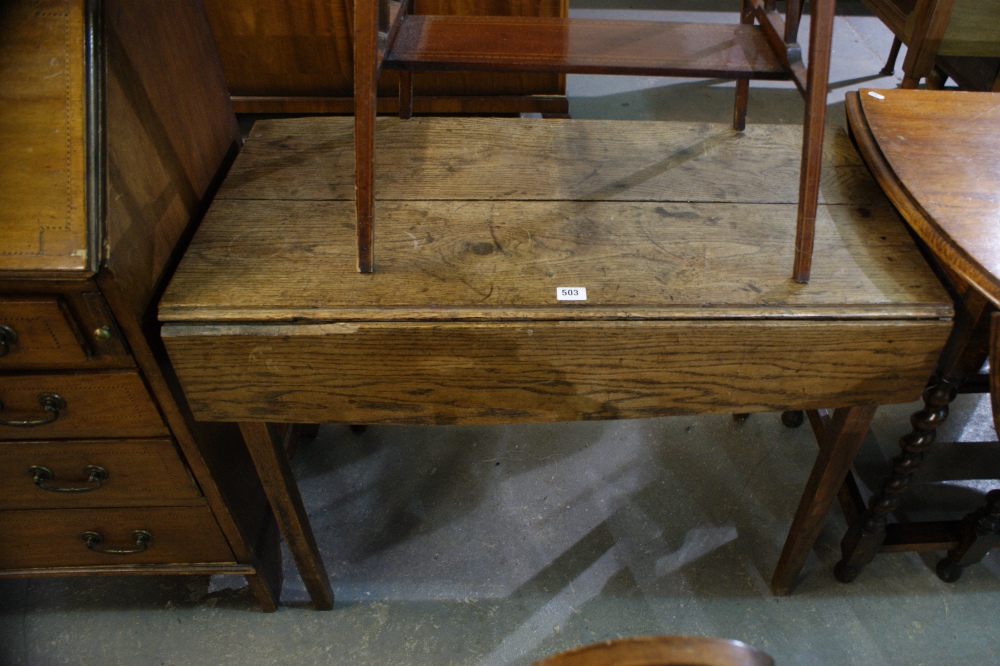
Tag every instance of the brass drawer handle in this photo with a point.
(40, 476)
(51, 404)
(8, 336)
(94, 539)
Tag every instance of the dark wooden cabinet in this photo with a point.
(115, 126)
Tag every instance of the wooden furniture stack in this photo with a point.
(115, 127)
(936, 156)
(296, 57)
(764, 45)
(960, 36)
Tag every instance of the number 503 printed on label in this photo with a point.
(571, 293)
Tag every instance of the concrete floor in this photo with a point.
(499, 545)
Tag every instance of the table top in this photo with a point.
(937, 156)
(484, 219)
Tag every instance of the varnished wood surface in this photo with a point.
(662, 651)
(140, 473)
(51, 537)
(937, 155)
(42, 144)
(98, 404)
(584, 46)
(47, 336)
(304, 50)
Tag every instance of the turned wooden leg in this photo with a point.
(980, 532)
(820, 40)
(865, 536)
(365, 97)
(844, 435)
(962, 357)
(890, 63)
(275, 473)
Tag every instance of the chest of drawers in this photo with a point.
(115, 125)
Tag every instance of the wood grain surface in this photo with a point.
(937, 156)
(98, 404)
(42, 145)
(51, 537)
(545, 371)
(141, 472)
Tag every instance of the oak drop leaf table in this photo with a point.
(670, 237)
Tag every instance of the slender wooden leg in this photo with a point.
(275, 473)
(406, 94)
(890, 63)
(365, 97)
(844, 435)
(742, 85)
(818, 77)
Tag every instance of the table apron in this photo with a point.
(511, 372)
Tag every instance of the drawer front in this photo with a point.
(55, 538)
(120, 473)
(93, 404)
(38, 332)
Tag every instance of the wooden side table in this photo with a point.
(937, 156)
